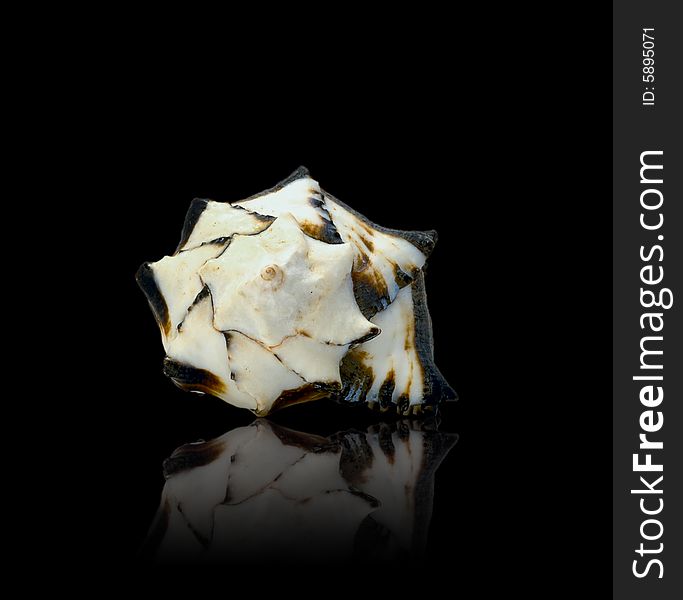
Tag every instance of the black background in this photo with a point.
(485, 133)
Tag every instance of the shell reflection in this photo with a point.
(264, 492)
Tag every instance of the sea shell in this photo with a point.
(290, 296)
(266, 494)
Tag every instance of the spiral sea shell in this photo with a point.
(290, 296)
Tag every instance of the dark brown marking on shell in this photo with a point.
(147, 282)
(402, 404)
(373, 333)
(410, 380)
(325, 231)
(305, 393)
(361, 261)
(368, 244)
(424, 241)
(436, 388)
(202, 295)
(258, 216)
(401, 277)
(197, 207)
(205, 293)
(356, 376)
(386, 443)
(316, 201)
(409, 338)
(190, 456)
(218, 241)
(386, 390)
(364, 225)
(370, 290)
(306, 441)
(190, 378)
(356, 456)
(403, 400)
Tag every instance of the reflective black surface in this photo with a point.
(264, 492)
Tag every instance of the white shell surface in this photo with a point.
(394, 353)
(179, 282)
(219, 220)
(199, 345)
(249, 362)
(296, 352)
(282, 283)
